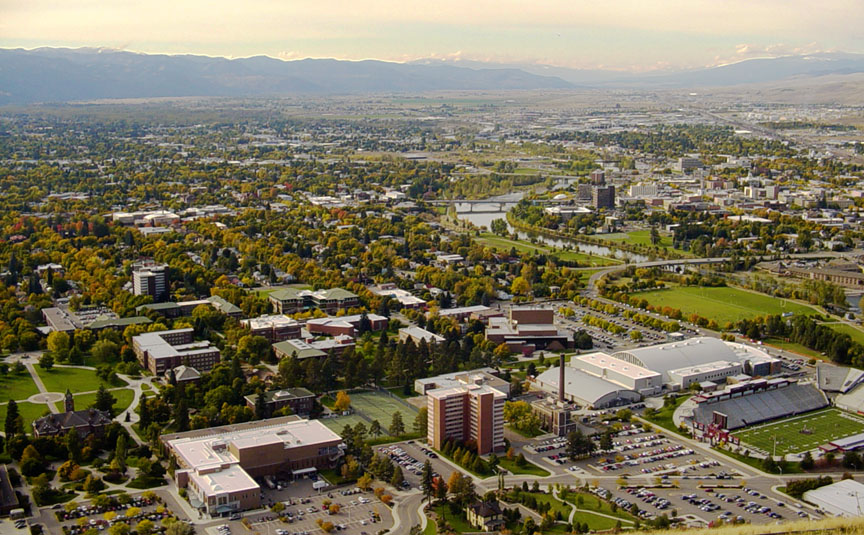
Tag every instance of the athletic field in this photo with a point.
(802, 433)
(722, 304)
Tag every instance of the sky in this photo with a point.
(634, 35)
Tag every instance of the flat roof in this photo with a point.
(462, 310)
(212, 449)
(59, 319)
(224, 480)
(609, 362)
(709, 367)
(265, 322)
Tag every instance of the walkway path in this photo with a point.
(40, 385)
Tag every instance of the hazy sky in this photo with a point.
(619, 34)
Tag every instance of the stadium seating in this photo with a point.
(763, 406)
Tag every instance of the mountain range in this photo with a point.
(64, 75)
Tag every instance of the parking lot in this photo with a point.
(88, 516)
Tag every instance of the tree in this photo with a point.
(655, 235)
(73, 445)
(120, 452)
(104, 400)
(343, 401)
(46, 361)
(375, 428)
(105, 351)
(397, 478)
(499, 227)
(13, 420)
(260, 406)
(146, 527)
(397, 428)
(181, 415)
(179, 528)
(364, 481)
(58, 344)
(427, 480)
(421, 421)
(520, 286)
(807, 462)
(143, 412)
(578, 444)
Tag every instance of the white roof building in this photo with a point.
(843, 498)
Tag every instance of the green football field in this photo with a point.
(802, 433)
(722, 304)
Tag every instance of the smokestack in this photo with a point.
(561, 378)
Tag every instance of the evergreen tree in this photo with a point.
(73, 445)
(426, 480)
(104, 400)
(260, 406)
(397, 427)
(181, 415)
(143, 411)
(12, 419)
(397, 478)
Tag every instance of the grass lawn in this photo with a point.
(663, 417)
(75, 379)
(638, 237)
(856, 334)
(791, 468)
(28, 411)
(530, 468)
(431, 527)
(593, 503)
(17, 387)
(525, 434)
(458, 521)
(723, 304)
(555, 504)
(505, 244)
(146, 482)
(823, 426)
(794, 348)
(123, 396)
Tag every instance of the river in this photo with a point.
(491, 212)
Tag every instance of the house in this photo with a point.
(86, 422)
(485, 515)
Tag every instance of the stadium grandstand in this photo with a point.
(756, 401)
(833, 378)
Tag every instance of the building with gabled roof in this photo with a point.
(86, 422)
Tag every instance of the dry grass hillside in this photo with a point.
(809, 527)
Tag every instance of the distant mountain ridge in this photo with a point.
(751, 71)
(63, 75)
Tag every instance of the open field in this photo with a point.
(505, 244)
(794, 348)
(381, 407)
(17, 387)
(638, 237)
(723, 304)
(29, 412)
(75, 379)
(856, 334)
(822, 426)
(123, 396)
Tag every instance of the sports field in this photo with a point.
(722, 304)
(381, 407)
(802, 433)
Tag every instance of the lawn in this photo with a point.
(823, 426)
(663, 417)
(723, 304)
(593, 503)
(638, 237)
(857, 335)
(457, 522)
(794, 348)
(29, 411)
(124, 398)
(505, 244)
(556, 505)
(17, 387)
(75, 379)
(530, 468)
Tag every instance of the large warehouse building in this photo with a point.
(585, 389)
(700, 359)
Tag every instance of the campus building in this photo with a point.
(299, 400)
(294, 300)
(467, 412)
(161, 351)
(218, 465)
(527, 329)
(86, 422)
(274, 328)
(185, 308)
(151, 280)
(345, 325)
